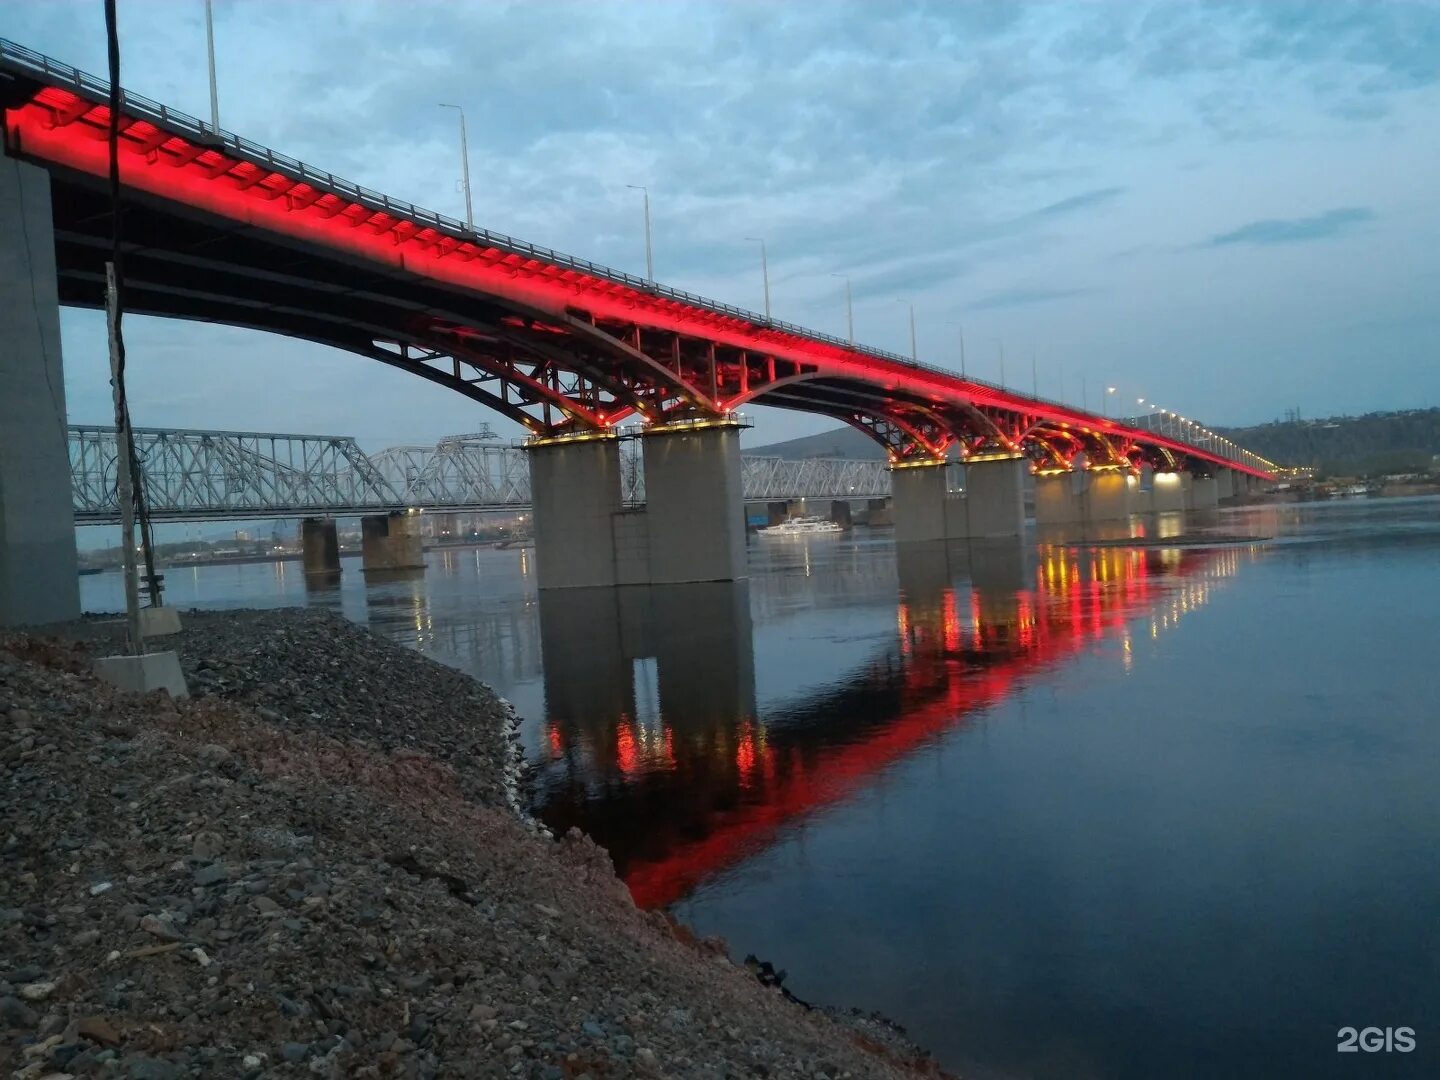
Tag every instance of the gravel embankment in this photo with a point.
(315, 868)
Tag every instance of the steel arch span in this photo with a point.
(221, 229)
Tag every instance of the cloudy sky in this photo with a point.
(1229, 208)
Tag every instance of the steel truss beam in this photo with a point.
(232, 475)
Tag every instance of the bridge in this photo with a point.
(221, 229)
(236, 475)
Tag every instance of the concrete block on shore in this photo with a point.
(142, 674)
(159, 622)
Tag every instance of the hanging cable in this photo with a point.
(122, 407)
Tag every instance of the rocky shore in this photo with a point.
(319, 865)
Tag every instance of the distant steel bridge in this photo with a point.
(235, 475)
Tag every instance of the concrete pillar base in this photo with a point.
(391, 542)
(319, 546)
(1086, 496)
(919, 501)
(1167, 493)
(1200, 493)
(992, 505)
(694, 504)
(142, 674)
(1059, 498)
(994, 499)
(39, 573)
(575, 492)
(159, 622)
(1107, 495)
(1142, 490)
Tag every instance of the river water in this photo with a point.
(1099, 810)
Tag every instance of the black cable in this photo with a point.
(122, 404)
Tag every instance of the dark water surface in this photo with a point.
(1079, 811)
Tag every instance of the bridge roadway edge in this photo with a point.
(39, 580)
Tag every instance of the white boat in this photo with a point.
(802, 526)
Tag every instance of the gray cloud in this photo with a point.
(1024, 297)
(1296, 230)
(1083, 201)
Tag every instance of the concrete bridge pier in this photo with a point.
(694, 503)
(992, 505)
(1201, 492)
(575, 494)
(319, 546)
(1107, 494)
(922, 504)
(1083, 496)
(1167, 493)
(392, 542)
(39, 580)
(1059, 498)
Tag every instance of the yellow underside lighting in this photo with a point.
(573, 437)
(927, 463)
(699, 424)
(992, 457)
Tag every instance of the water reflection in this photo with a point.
(653, 741)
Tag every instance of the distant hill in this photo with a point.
(1369, 445)
(844, 442)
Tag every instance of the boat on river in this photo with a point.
(802, 526)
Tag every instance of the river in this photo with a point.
(1059, 810)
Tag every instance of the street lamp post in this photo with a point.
(1105, 402)
(961, 330)
(210, 49)
(464, 166)
(649, 260)
(849, 308)
(1002, 362)
(764, 270)
(914, 352)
